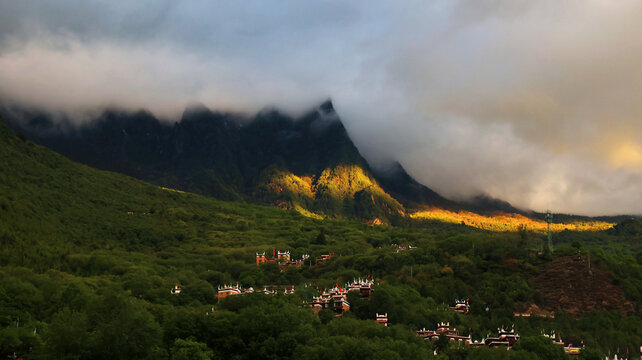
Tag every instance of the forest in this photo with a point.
(88, 259)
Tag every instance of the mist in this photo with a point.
(536, 103)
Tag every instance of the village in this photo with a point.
(336, 299)
(505, 338)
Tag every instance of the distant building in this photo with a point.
(572, 350)
(284, 265)
(364, 286)
(231, 290)
(461, 305)
(283, 256)
(442, 328)
(325, 258)
(568, 349)
(505, 338)
(269, 292)
(261, 258)
(334, 299)
(555, 338)
(175, 290)
(382, 319)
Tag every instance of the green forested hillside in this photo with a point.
(88, 258)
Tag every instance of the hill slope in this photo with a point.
(49, 204)
(87, 258)
(309, 163)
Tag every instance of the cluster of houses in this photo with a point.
(336, 299)
(333, 299)
(232, 290)
(222, 292)
(505, 338)
(283, 258)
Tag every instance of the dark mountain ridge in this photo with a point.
(308, 163)
(396, 180)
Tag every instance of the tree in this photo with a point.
(67, 336)
(320, 239)
(442, 343)
(326, 316)
(590, 354)
(542, 347)
(190, 349)
(124, 329)
(20, 341)
(522, 355)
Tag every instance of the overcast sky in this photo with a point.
(537, 103)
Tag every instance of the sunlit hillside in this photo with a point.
(504, 221)
(342, 189)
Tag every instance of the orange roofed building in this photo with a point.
(280, 256)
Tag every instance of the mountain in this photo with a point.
(396, 181)
(309, 163)
(628, 227)
(89, 257)
(49, 204)
(486, 203)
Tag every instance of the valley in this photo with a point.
(87, 254)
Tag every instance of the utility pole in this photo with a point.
(589, 264)
(549, 220)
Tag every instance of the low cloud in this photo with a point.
(536, 103)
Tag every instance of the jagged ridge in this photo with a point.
(307, 163)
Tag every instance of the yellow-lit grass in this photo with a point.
(298, 208)
(504, 221)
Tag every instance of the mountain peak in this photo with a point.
(195, 109)
(327, 108)
(391, 170)
(485, 202)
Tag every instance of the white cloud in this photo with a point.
(536, 103)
